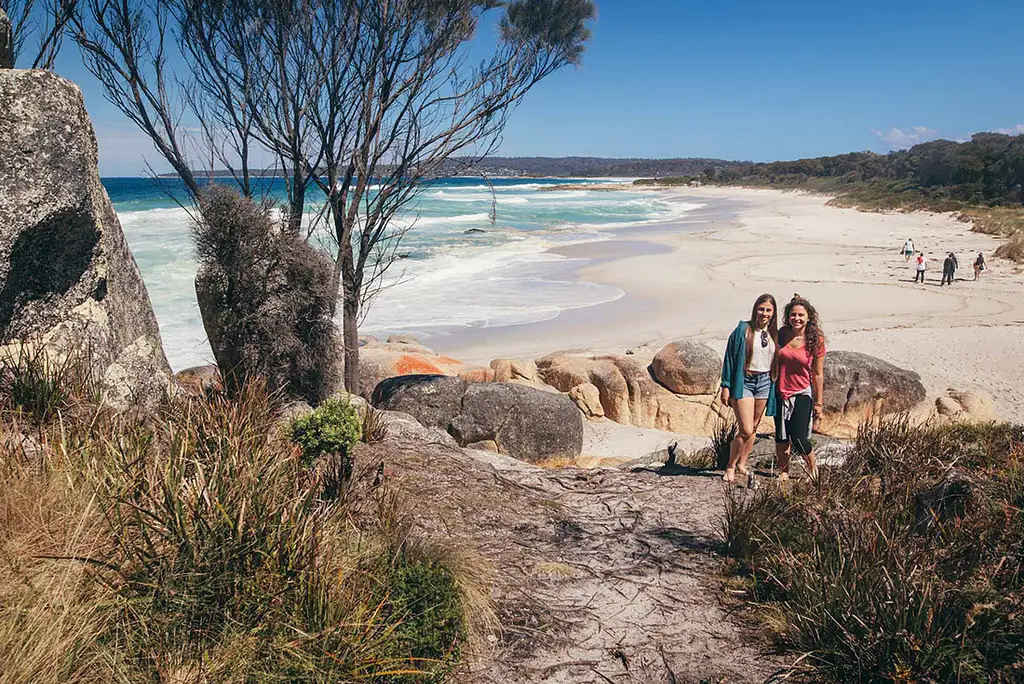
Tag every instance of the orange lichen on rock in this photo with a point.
(415, 365)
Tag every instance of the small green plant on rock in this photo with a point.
(330, 429)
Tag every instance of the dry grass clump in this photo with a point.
(374, 426)
(1013, 249)
(903, 564)
(196, 545)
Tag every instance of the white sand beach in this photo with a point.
(696, 280)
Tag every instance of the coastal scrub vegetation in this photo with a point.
(982, 180)
(904, 563)
(195, 543)
(265, 297)
(359, 102)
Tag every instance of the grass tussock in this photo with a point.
(198, 544)
(715, 456)
(903, 564)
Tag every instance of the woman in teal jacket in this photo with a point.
(747, 384)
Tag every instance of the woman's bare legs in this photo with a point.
(782, 452)
(782, 459)
(759, 407)
(748, 414)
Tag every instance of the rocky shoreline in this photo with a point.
(539, 410)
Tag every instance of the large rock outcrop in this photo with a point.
(525, 423)
(67, 278)
(6, 42)
(861, 388)
(433, 400)
(627, 394)
(688, 368)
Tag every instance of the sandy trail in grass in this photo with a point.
(598, 575)
(966, 336)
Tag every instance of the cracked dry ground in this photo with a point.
(607, 575)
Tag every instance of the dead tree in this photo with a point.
(45, 21)
(367, 100)
(406, 105)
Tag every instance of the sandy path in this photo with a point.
(606, 575)
(967, 336)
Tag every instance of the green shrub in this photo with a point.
(425, 600)
(332, 428)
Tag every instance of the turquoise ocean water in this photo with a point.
(448, 278)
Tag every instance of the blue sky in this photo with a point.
(744, 79)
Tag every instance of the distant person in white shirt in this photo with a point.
(922, 265)
(908, 249)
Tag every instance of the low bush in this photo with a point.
(1013, 249)
(721, 442)
(903, 564)
(332, 428)
(374, 427)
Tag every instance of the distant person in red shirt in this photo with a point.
(800, 369)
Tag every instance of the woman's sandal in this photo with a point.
(730, 475)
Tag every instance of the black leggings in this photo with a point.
(796, 430)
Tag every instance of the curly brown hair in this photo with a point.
(814, 336)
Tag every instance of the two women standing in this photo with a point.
(775, 372)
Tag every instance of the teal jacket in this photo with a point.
(734, 365)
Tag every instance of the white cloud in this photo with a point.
(902, 138)
(1016, 130)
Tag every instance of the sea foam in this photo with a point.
(502, 273)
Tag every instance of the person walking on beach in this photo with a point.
(908, 249)
(800, 373)
(922, 265)
(746, 379)
(948, 270)
(979, 265)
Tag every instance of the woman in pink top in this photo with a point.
(799, 367)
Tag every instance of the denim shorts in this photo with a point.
(756, 386)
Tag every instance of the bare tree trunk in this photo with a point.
(350, 328)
